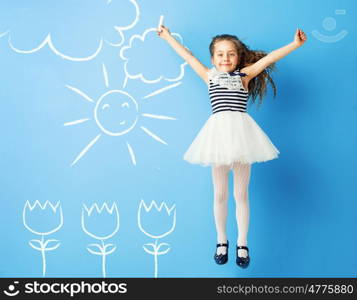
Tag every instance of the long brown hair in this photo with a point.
(257, 85)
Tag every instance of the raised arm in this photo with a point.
(196, 65)
(256, 68)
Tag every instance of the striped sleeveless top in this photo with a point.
(226, 91)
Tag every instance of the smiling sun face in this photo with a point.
(116, 113)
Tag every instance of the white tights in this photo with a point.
(220, 184)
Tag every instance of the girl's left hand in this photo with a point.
(300, 37)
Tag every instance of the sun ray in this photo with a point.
(80, 93)
(158, 117)
(4, 33)
(105, 73)
(153, 135)
(75, 122)
(125, 81)
(86, 149)
(132, 155)
(162, 90)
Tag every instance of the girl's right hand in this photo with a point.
(300, 37)
(163, 32)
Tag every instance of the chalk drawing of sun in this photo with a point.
(116, 113)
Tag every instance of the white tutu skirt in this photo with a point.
(228, 137)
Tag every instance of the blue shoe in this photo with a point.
(243, 262)
(221, 258)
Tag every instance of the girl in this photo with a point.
(231, 139)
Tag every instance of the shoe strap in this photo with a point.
(243, 247)
(222, 245)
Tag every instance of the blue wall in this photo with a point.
(303, 204)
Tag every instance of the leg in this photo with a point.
(220, 186)
(241, 184)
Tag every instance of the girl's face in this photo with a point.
(225, 56)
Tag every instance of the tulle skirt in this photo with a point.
(228, 137)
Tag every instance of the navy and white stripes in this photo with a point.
(224, 98)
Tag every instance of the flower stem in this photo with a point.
(155, 258)
(103, 260)
(43, 257)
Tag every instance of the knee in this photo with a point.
(220, 197)
(241, 195)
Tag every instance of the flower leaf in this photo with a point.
(33, 244)
(108, 245)
(50, 241)
(147, 250)
(113, 247)
(92, 249)
(55, 246)
(166, 248)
